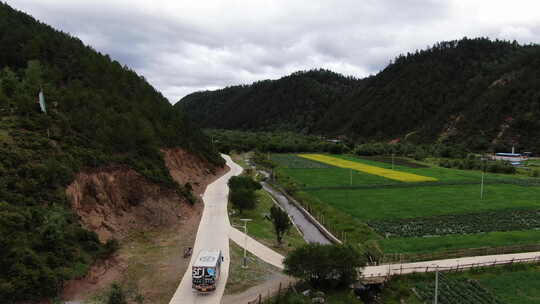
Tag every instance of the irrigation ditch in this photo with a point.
(312, 230)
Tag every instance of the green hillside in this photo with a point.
(292, 103)
(98, 113)
(479, 92)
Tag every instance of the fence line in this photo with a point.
(424, 269)
(316, 219)
(272, 293)
(390, 258)
(524, 183)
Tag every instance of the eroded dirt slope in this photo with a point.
(185, 167)
(153, 224)
(112, 201)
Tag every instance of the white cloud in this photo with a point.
(185, 46)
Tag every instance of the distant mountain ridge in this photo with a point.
(481, 92)
(290, 103)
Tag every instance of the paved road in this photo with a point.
(431, 266)
(310, 233)
(213, 233)
(261, 251)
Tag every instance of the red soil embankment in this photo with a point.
(116, 201)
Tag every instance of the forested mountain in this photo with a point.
(98, 113)
(479, 92)
(292, 103)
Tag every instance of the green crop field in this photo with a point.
(513, 287)
(509, 284)
(389, 203)
(421, 216)
(454, 242)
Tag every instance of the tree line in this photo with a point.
(477, 92)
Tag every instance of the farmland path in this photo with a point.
(213, 233)
(431, 266)
(261, 251)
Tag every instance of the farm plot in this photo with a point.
(503, 220)
(457, 291)
(399, 161)
(418, 217)
(513, 286)
(498, 241)
(291, 161)
(387, 173)
(509, 284)
(395, 203)
(334, 177)
(445, 175)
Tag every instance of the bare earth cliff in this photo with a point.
(117, 202)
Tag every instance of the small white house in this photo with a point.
(515, 159)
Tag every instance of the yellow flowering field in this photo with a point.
(387, 173)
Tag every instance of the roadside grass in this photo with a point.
(154, 266)
(155, 263)
(511, 284)
(390, 203)
(240, 159)
(241, 279)
(460, 241)
(262, 228)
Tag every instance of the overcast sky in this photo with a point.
(182, 46)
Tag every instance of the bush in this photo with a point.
(476, 164)
(280, 220)
(243, 182)
(116, 295)
(324, 266)
(243, 199)
(110, 247)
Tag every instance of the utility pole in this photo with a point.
(482, 187)
(244, 265)
(436, 300)
(482, 183)
(392, 161)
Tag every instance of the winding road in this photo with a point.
(215, 230)
(213, 233)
